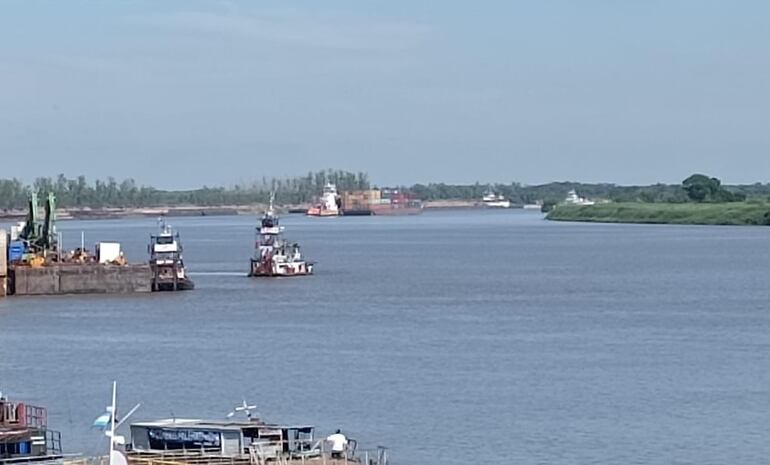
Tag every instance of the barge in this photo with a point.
(379, 202)
(37, 264)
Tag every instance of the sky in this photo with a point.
(185, 93)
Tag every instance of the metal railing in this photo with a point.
(268, 453)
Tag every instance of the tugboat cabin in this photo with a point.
(24, 435)
(223, 438)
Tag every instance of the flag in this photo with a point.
(103, 420)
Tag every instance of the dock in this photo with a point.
(96, 278)
(34, 262)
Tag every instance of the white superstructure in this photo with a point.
(574, 199)
(329, 197)
(492, 200)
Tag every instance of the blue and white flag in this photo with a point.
(103, 420)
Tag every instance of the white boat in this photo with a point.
(492, 200)
(168, 272)
(273, 255)
(329, 203)
(574, 199)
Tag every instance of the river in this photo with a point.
(462, 337)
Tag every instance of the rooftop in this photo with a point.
(218, 424)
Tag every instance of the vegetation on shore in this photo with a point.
(79, 193)
(706, 201)
(731, 213)
(111, 193)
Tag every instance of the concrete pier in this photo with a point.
(80, 279)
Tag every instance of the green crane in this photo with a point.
(41, 236)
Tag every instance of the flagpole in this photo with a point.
(112, 419)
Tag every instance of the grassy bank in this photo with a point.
(734, 213)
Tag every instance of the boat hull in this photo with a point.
(169, 286)
(498, 204)
(322, 213)
(170, 278)
(394, 211)
(268, 269)
(366, 212)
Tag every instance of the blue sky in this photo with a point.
(185, 93)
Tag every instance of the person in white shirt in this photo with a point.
(339, 444)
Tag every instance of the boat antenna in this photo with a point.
(162, 224)
(272, 201)
(244, 407)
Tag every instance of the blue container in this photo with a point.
(16, 251)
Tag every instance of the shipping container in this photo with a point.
(108, 251)
(16, 250)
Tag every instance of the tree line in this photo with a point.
(696, 188)
(80, 193)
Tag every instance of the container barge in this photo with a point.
(379, 202)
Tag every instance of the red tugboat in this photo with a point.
(24, 434)
(273, 255)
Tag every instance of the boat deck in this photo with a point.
(160, 459)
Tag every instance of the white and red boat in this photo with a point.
(329, 204)
(273, 255)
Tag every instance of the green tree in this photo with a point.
(700, 187)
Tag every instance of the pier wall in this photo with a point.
(3, 262)
(81, 279)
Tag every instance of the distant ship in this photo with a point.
(379, 202)
(492, 200)
(574, 199)
(329, 204)
(395, 202)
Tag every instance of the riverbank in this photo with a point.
(200, 210)
(112, 213)
(733, 213)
